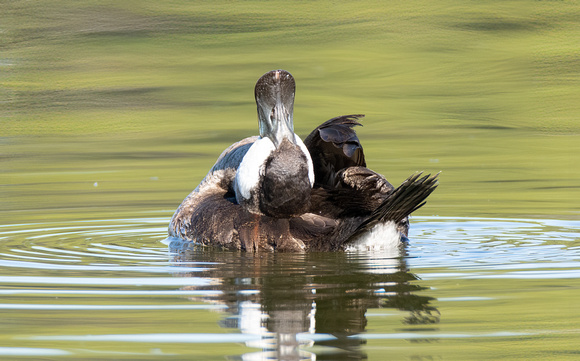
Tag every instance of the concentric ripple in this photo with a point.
(90, 253)
(132, 246)
(496, 244)
(116, 282)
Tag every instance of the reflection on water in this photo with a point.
(293, 300)
(111, 287)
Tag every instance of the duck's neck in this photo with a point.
(275, 181)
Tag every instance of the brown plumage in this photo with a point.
(316, 196)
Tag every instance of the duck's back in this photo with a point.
(211, 215)
(347, 201)
(214, 197)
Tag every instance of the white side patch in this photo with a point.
(384, 236)
(307, 153)
(252, 167)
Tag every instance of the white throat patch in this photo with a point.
(300, 143)
(252, 167)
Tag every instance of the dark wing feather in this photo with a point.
(403, 201)
(333, 146)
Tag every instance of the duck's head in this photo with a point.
(275, 99)
(276, 174)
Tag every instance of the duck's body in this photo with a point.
(275, 192)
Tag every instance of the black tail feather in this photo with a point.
(403, 201)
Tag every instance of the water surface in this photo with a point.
(111, 113)
(95, 289)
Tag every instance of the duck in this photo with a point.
(275, 192)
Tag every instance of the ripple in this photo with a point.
(238, 338)
(121, 245)
(549, 274)
(411, 336)
(116, 268)
(48, 307)
(134, 245)
(156, 337)
(112, 292)
(99, 270)
(32, 351)
(494, 243)
(119, 281)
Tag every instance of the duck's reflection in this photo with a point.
(317, 302)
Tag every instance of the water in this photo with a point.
(111, 113)
(110, 289)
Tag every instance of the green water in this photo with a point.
(112, 112)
